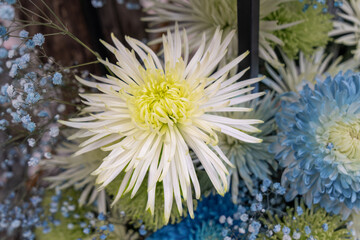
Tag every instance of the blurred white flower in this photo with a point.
(205, 16)
(293, 74)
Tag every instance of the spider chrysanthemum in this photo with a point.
(207, 15)
(151, 114)
(294, 75)
(319, 144)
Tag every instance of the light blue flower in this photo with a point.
(57, 78)
(30, 44)
(7, 12)
(24, 34)
(3, 32)
(97, 3)
(3, 53)
(38, 39)
(307, 125)
(252, 159)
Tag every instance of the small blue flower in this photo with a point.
(32, 98)
(267, 182)
(307, 230)
(57, 78)
(97, 3)
(325, 227)
(259, 197)
(86, 230)
(286, 230)
(7, 12)
(30, 44)
(244, 217)
(111, 227)
(15, 224)
(142, 230)
(54, 132)
(101, 217)
(29, 87)
(3, 124)
(256, 226)
(24, 59)
(296, 235)
(38, 39)
(3, 53)
(43, 81)
(103, 227)
(3, 31)
(70, 226)
(14, 70)
(299, 210)
(276, 185)
(24, 34)
(10, 1)
(277, 228)
(33, 161)
(30, 126)
(281, 190)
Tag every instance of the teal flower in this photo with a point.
(252, 159)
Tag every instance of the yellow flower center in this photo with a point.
(345, 138)
(163, 99)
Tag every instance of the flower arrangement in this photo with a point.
(157, 131)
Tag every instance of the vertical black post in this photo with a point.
(248, 36)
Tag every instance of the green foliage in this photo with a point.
(306, 36)
(134, 208)
(314, 218)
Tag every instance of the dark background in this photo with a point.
(89, 24)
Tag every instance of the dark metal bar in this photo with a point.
(248, 36)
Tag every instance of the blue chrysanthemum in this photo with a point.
(319, 144)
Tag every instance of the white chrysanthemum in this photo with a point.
(77, 173)
(205, 16)
(293, 75)
(150, 114)
(347, 29)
